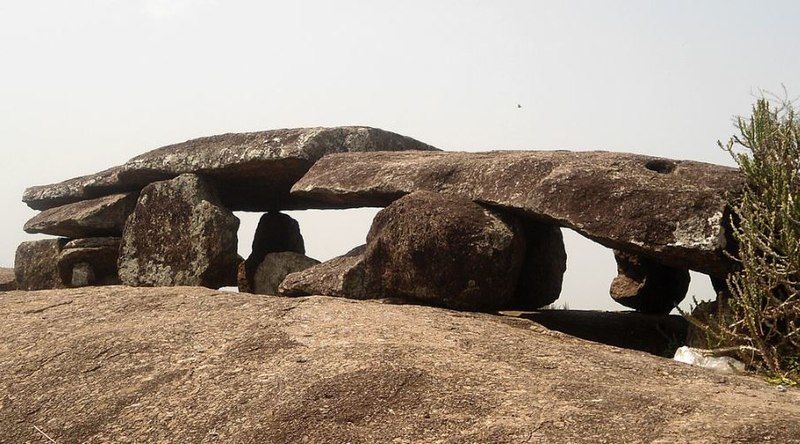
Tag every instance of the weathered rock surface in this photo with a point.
(82, 275)
(543, 268)
(195, 365)
(179, 234)
(446, 251)
(36, 264)
(104, 216)
(276, 232)
(275, 267)
(341, 276)
(647, 286)
(96, 261)
(8, 281)
(252, 171)
(672, 210)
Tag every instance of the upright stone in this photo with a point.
(446, 251)
(646, 285)
(179, 234)
(543, 268)
(36, 264)
(276, 232)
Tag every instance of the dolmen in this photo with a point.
(471, 231)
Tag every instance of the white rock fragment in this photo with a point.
(700, 358)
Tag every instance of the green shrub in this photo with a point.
(760, 321)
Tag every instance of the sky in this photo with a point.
(88, 84)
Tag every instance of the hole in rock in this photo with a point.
(586, 309)
(326, 233)
(662, 166)
(590, 270)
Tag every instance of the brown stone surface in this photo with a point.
(446, 251)
(103, 216)
(100, 254)
(36, 264)
(252, 171)
(274, 269)
(108, 364)
(543, 268)
(276, 232)
(669, 209)
(341, 276)
(179, 234)
(8, 281)
(647, 286)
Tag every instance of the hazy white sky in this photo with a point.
(86, 84)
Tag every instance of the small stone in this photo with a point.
(82, 275)
(646, 285)
(342, 276)
(274, 269)
(8, 282)
(98, 254)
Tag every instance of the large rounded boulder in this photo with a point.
(445, 251)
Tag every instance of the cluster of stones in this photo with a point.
(477, 231)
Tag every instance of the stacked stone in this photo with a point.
(165, 218)
(476, 231)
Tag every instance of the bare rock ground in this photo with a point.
(184, 364)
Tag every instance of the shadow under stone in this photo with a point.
(655, 334)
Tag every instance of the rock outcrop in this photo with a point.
(342, 276)
(8, 282)
(646, 285)
(274, 269)
(179, 234)
(195, 365)
(104, 216)
(670, 210)
(543, 268)
(36, 264)
(276, 232)
(252, 171)
(91, 261)
(446, 251)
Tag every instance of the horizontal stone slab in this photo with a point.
(103, 216)
(671, 210)
(252, 171)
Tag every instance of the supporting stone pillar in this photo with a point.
(36, 264)
(543, 268)
(446, 251)
(648, 286)
(179, 234)
(276, 233)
